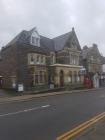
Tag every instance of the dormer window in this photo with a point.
(35, 38)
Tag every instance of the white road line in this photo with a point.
(45, 106)
(23, 111)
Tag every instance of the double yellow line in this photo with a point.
(81, 127)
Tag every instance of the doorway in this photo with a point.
(61, 78)
(1, 81)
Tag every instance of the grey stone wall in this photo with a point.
(8, 65)
(22, 63)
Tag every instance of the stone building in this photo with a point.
(103, 65)
(35, 61)
(92, 59)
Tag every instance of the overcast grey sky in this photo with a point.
(54, 17)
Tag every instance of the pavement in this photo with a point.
(3, 93)
(6, 99)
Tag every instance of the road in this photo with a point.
(48, 117)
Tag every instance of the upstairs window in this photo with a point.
(35, 38)
(42, 59)
(34, 58)
(52, 60)
(38, 59)
(74, 59)
(37, 41)
(31, 58)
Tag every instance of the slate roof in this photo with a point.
(22, 37)
(33, 49)
(60, 41)
(48, 44)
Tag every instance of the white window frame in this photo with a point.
(52, 58)
(30, 62)
(35, 39)
(37, 59)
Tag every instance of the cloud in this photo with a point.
(53, 18)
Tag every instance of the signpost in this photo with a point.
(20, 87)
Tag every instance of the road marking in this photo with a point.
(81, 127)
(45, 106)
(23, 111)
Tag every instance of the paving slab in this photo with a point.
(31, 96)
(3, 93)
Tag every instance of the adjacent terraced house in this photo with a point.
(92, 59)
(35, 61)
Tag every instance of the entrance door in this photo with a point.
(1, 81)
(61, 78)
